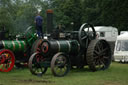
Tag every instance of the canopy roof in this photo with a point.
(105, 28)
(123, 36)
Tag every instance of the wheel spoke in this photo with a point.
(56, 68)
(84, 37)
(101, 46)
(96, 57)
(96, 61)
(7, 65)
(106, 57)
(104, 50)
(103, 60)
(99, 49)
(3, 67)
(102, 63)
(96, 52)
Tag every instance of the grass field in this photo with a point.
(117, 74)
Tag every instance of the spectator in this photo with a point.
(38, 22)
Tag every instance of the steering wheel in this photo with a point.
(84, 34)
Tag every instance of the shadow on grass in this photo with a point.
(32, 81)
(85, 69)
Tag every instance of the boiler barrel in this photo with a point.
(54, 46)
(15, 45)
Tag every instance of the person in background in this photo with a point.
(38, 22)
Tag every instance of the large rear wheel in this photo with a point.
(98, 55)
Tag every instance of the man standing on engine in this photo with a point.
(38, 21)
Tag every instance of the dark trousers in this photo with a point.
(39, 31)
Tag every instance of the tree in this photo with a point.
(114, 13)
(72, 9)
(6, 20)
(19, 14)
(91, 12)
(67, 12)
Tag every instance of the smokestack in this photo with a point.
(49, 21)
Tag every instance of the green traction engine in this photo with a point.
(16, 51)
(74, 49)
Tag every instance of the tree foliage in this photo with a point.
(17, 15)
(106, 12)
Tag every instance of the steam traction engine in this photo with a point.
(76, 48)
(16, 51)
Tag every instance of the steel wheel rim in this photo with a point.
(60, 65)
(34, 64)
(7, 60)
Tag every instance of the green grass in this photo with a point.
(115, 75)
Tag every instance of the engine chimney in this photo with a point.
(49, 21)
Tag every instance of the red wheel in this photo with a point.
(7, 60)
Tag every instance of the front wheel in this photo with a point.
(7, 60)
(35, 64)
(60, 65)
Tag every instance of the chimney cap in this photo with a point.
(49, 11)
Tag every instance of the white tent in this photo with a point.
(121, 48)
